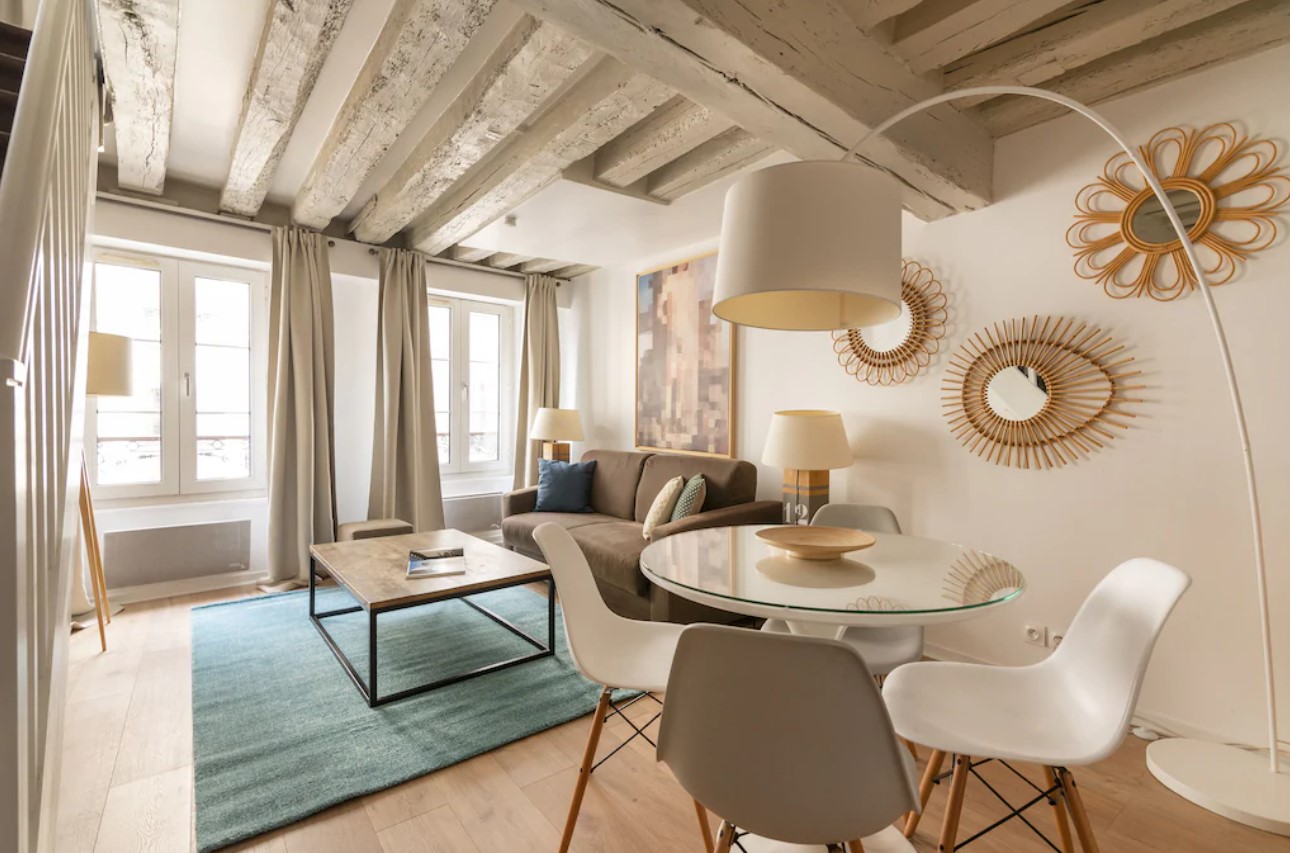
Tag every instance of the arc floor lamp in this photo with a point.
(841, 269)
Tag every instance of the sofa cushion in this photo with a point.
(564, 486)
(613, 485)
(728, 481)
(517, 530)
(614, 551)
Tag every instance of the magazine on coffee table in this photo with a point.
(436, 563)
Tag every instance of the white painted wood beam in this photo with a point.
(729, 152)
(1248, 28)
(937, 32)
(868, 14)
(542, 265)
(1090, 33)
(673, 129)
(506, 260)
(298, 36)
(468, 254)
(609, 99)
(139, 40)
(419, 42)
(531, 63)
(800, 76)
(574, 270)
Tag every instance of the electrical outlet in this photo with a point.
(1036, 635)
(1056, 640)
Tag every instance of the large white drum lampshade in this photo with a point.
(810, 246)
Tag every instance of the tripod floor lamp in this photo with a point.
(825, 277)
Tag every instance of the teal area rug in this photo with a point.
(279, 732)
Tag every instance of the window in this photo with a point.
(472, 362)
(196, 421)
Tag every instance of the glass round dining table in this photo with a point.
(899, 580)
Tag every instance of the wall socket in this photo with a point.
(1036, 635)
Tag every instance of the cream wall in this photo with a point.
(1172, 488)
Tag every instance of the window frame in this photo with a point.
(461, 308)
(178, 359)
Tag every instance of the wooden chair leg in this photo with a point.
(93, 558)
(1059, 812)
(856, 846)
(584, 771)
(725, 837)
(703, 825)
(954, 807)
(1083, 828)
(934, 763)
(912, 747)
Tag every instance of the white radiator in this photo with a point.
(158, 554)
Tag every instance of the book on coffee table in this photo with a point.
(436, 562)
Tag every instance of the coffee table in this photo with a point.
(374, 571)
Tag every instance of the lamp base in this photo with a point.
(804, 493)
(1225, 780)
(556, 451)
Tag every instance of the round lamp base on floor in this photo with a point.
(1228, 781)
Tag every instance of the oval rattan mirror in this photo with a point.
(894, 352)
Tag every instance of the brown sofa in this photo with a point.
(622, 488)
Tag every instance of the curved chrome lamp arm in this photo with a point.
(1206, 292)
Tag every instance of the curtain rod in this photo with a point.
(261, 226)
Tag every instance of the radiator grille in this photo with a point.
(153, 555)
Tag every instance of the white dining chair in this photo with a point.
(613, 651)
(1071, 710)
(786, 738)
(883, 649)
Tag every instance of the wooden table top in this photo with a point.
(375, 570)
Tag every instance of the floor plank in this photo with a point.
(342, 829)
(437, 831)
(494, 810)
(151, 814)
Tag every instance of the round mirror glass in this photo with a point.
(885, 337)
(1016, 393)
(1151, 224)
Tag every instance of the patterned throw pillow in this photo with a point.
(660, 512)
(691, 500)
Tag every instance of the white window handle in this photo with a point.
(188, 384)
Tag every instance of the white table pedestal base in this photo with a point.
(1228, 781)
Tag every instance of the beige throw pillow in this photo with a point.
(660, 512)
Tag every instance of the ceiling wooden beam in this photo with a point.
(533, 61)
(139, 40)
(297, 37)
(609, 99)
(419, 42)
(542, 265)
(936, 32)
(673, 129)
(870, 13)
(1250, 27)
(574, 270)
(506, 260)
(468, 254)
(1091, 32)
(711, 161)
(800, 76)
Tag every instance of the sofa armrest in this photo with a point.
(519, 501)
(754, 512)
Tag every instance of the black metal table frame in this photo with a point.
(369, 690)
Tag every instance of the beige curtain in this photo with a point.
(302, 391)
(405, 451)
(539, 384)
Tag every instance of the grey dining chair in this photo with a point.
(787, 738)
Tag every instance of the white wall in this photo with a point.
(1172, 488)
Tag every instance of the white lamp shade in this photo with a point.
(807, 440)
(110, 368)
(810, 246)
(556, 425)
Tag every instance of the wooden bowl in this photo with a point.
(816, 543)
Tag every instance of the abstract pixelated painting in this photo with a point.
(684, 362)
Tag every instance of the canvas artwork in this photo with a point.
(684, 362)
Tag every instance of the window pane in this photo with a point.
(485, 393)
(441, 377)
(222, 384)
(223, 312)
(127, 301)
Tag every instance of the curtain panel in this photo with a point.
(302, 391)
(405, 450)
(539, 380)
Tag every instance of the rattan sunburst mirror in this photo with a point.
(1227, 189)
(1038, 392)
(894, 352)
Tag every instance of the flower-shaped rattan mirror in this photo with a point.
(1226, 187)
(894, 352)
(1037, 392)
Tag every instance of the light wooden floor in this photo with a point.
(127, 780)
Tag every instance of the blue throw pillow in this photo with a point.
(564, 486)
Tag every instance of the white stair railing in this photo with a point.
(45, 194)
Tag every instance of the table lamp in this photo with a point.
(555, 428)
(109, 373)
(806, 443)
